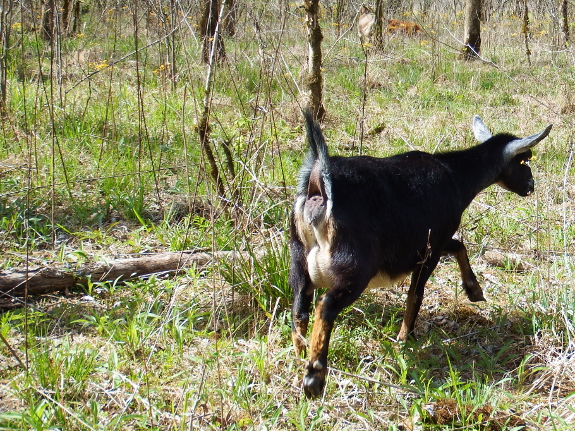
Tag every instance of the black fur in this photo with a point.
(394, 215)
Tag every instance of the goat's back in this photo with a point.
(404, 202)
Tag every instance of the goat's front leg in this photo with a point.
(415, 295)
(327, 309)
(469, 281)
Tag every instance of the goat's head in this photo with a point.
(516, 175)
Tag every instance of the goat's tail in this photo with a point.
(315, 178)
(316, 142)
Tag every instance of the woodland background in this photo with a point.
(122, 136)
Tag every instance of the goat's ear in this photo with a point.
(521, 145)
(480, 130)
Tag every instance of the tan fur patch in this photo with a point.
(411, 309)
(384, 280)
(298, 335)
(317, 242)
(319, 336)
(397, 26)
(473, 289)
(303, 229)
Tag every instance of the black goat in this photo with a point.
(360, 221)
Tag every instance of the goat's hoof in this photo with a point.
(476, 297)
(313, 385)
(314, 382)
(474, 291)
(405, 334)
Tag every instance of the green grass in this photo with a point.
(111, 166)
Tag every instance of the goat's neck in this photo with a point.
(475, 169)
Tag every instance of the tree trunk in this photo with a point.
(525, 31)
(5, 27)
(48, 19)
(340, 7)
(208, 24)
(203, 122)
(565, 25)
(171, 42)
(314, 78)
(204, 137)
(46, 280)
(231, 18)
(76, 17)
(472, 29)
(66, 9)
(378, 26)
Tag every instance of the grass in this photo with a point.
(110, 166)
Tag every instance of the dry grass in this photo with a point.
(210, 350)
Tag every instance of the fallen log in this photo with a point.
(14, 283)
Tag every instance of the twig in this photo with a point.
(66, 409)
(203, 121)
(88, 76)
(370, 380)
(565, 198)
(330, 49)
(87, 180)
(12, 351)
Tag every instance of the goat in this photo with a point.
(397, 26)
(364, 23)
(364, 221)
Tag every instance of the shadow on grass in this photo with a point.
(478, 343)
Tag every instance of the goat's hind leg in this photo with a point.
(415, 296)
(302, 288)
(469, 281)
(327, 309)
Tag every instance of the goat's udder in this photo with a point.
(319, 266)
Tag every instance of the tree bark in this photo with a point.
(314, 79)
(378, 26)
(340, 13)
(231, 18)
(208, 24)
(525, 31)
(76, 17)
(47, 280)
(565, 24)
(66, 8)
(5, 28)
(472, 29)
(203, 122)
(48, 19)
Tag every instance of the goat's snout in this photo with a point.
(530, 187)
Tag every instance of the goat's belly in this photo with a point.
(321, 275)
(383, 279)
(318, 266)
